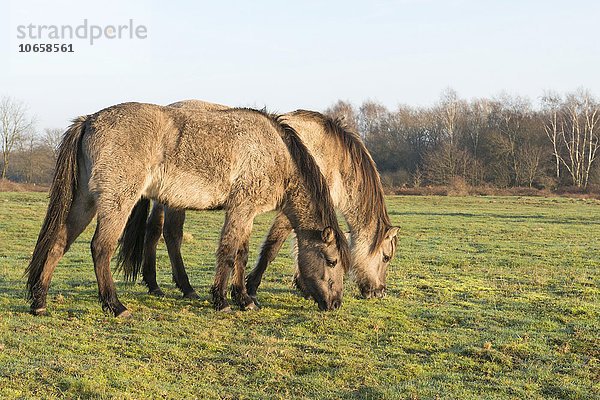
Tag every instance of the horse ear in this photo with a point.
(328, 235)
(392, 232)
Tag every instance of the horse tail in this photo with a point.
(62, 192)
(131, 244)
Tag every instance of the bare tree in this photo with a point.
(421, 132)
(52, 139)
(476, 126)
(32, 161)
(370, 118)
(449, 110)
(345, 111)
(530, 155)
(417, 177)
(27, 148)
(14, 124)
(551, 103)
(581, 135)
(477, 122)
(510, 115)
(447, 162)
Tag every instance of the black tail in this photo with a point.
(62, 192)
(131, 244)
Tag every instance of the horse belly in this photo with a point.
(184, 190)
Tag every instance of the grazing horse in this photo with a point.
(244, 161)
(355, 187)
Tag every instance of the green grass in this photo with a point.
(495, 298)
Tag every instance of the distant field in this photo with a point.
(489, 298)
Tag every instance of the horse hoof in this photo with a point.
(255, 301)
(39, 311)
(225, 310)
(251, 306)
(191, 295)
(125, 314)
(157, 293)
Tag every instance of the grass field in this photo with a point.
(489, 298)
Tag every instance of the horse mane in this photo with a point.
(367, 177)
(312, 176)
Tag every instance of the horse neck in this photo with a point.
(341, 174)
(363, 224)
(342, 177)
(361, 235)
(347, 195)
(300, 208)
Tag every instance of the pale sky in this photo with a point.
(303, 54)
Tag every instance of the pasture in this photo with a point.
(488, 297)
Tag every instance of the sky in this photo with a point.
(302, 54)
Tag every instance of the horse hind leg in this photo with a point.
(173, 234)
(153, 231)
(111, 222)
(81, 213)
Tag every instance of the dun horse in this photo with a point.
(356, 189)
(244, 161)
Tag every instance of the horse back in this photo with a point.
(200, 160)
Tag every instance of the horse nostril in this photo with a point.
(336, 304)
(365, 292)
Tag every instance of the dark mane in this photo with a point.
(367, 177)
(313, 179)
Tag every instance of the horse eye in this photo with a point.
(331, 263)
(386, 258)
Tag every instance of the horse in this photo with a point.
(243, 161)
(356, 189)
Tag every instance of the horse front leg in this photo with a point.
(238, 288)
(235, 236)
(277, 235)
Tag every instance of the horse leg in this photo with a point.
(173, 234)
(279, 231)
(238, 287)
(236, 231)
(81, 213)
(111, 222)
(153, 230)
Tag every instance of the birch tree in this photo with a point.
(551, 111)
(580, 135)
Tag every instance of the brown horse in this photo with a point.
(356, 189)
(244, 161)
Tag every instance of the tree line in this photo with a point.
(502, 141)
